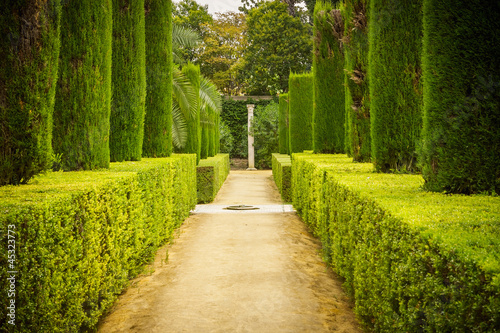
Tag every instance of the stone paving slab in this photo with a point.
(218, 209)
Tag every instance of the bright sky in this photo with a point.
(221, 5)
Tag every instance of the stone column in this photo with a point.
(251, 152)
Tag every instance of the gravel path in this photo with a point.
(252, 271)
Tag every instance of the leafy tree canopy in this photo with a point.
(190, 14)
(220, 54)
(277, 44)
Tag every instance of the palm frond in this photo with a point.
(184, 94)
(210, 99)
(183, 38)
(179, 127)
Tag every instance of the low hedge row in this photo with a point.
(210, 175)
(282, 173)
(414, 261)
(74, 239)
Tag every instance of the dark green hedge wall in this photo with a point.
(128, 81)
(395, 38)
(328, 71)
(29, 53)
(283, 124)
(159, 75)
(205, 137)
(357, 94)
(461, 67)
(235, 115)
(300, 96)
(83, 93)
(193, 143)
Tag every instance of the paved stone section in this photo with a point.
(237, 272)
(221, 209)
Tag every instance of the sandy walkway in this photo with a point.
(242, 272)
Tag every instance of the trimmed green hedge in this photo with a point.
(395, 39)
(461, 68)
(414, 261)
(210, 175)
(300, 99)
(29, 49)
(128, 81)
(193, 143)
(357, 94)
(282, 173)
(80, 236)
(83, 93)
(328, 71)
(283, 124)
(159, 76)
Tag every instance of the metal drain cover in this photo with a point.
(241, 207)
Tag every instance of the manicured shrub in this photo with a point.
(283, 124)
(357, 94)
(204, 140)
(461, 68)
(128, 81)
(414, 261)
(300, 99)
(282, 174)
(211, 174)
(193, 143)
(328, 72)
(265, 132)
(226, 138)
(159, 75)
(395, 38)
(29, 49)
(235, 115)
(83, 93)
(80, 237)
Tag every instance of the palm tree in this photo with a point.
(183, 93)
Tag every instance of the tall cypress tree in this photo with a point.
(300, 94)
(357, 94)
(83, 94)
(128, 81)
(461, 68)
(159, 75)
(283, 124)
(328, 71)
(395, 38)
(193, 143)
(29, 49)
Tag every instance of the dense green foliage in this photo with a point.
(282, 174)
(357, 93)
(210, 175)
(83, 93)
(300, 99)
(193, 143)
(461, 68)
(29, 49)
(278, 43)
(128, 81)
(265, 125)
(158, 120)
(235, 115)
(80, 237)
(283, 124)
(328, 73)
(395, 38)
(226, 140)
(414, 261)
